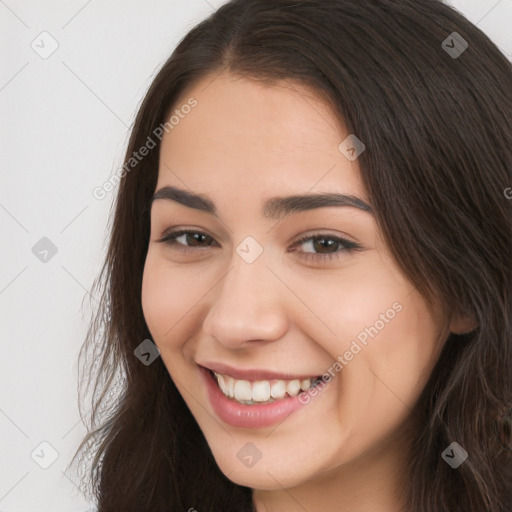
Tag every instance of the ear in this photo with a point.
(463, 323)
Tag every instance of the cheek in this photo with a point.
(380, 327)
(356, 303)
(168, 295)
(388, 341)
(386, 378)
(404, 355)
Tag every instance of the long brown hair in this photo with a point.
(438, 136)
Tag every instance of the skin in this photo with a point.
(289, 310)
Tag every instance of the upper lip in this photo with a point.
(253, 374)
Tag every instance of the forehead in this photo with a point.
(246, 135)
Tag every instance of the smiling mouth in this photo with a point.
(262, 391)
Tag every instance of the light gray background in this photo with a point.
(64, 128)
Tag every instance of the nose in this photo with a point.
(247, 306)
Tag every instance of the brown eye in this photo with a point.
(317, 248)
(194, 239)
(184, 239)
(323, 245)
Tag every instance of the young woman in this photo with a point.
(307, 294)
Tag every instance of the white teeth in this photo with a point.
(262, 391)
(222, 384)
(305, 384)
(278, 389)
(231, 386)
(293, 387)
(243, 390)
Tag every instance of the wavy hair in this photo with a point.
(438, 136)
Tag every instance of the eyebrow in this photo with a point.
(273, 207)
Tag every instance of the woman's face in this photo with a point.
(273, 292)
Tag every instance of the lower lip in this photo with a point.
(247, 416)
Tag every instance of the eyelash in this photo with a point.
(348, 246)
